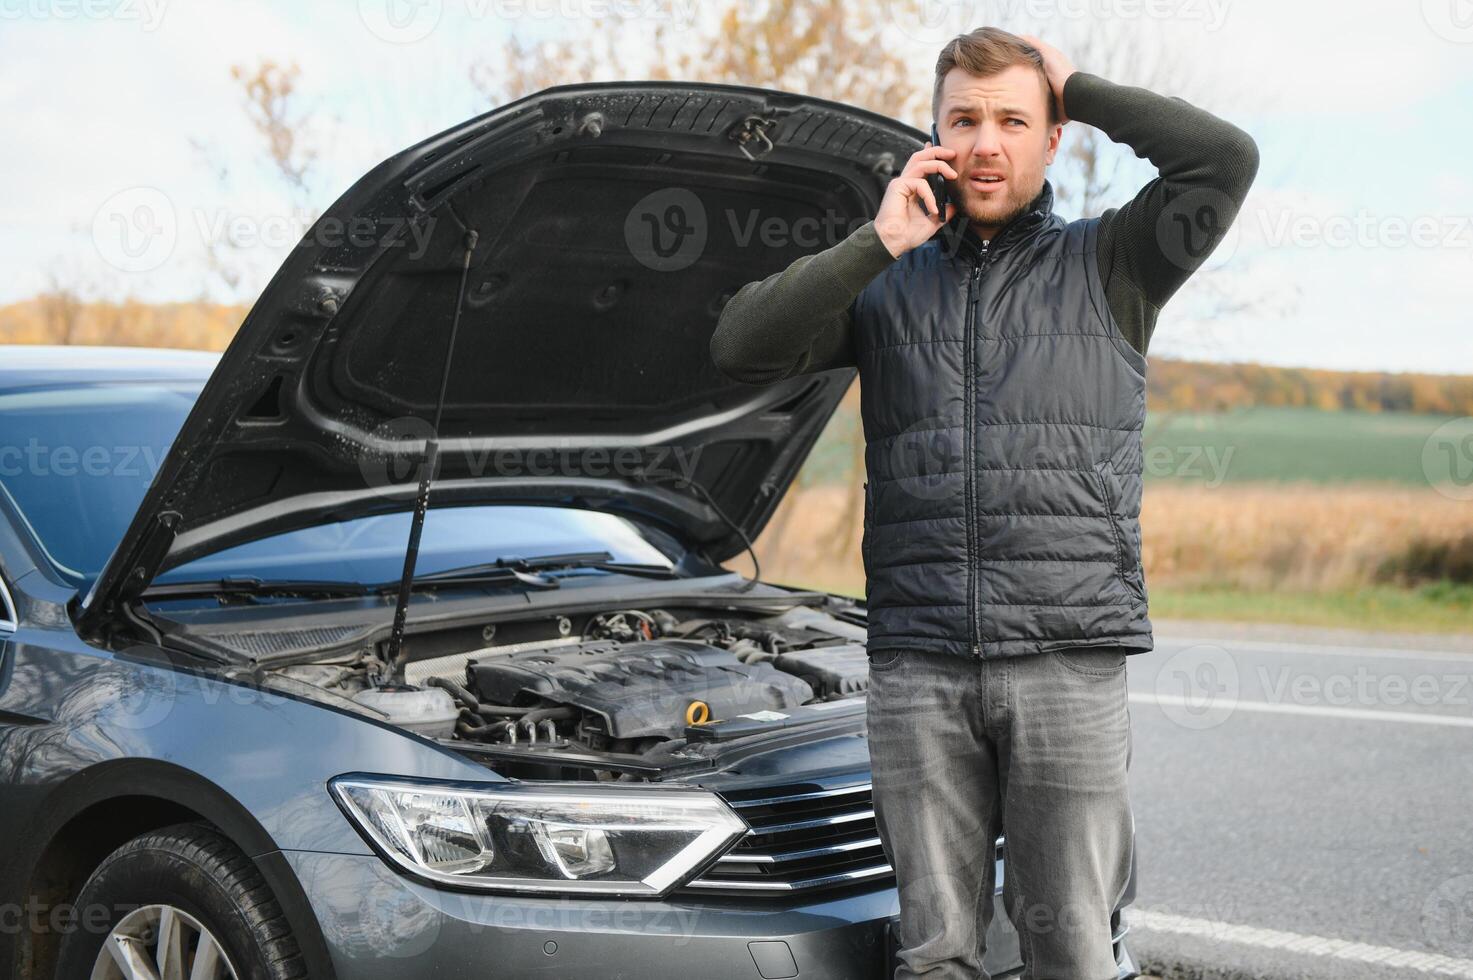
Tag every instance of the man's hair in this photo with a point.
(987, 51)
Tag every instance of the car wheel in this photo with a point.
(181, 902)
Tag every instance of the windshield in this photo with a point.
(371, 549)
(76, 461)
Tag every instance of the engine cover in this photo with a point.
(637, 690)
(839, 671)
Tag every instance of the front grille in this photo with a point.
(802, 838)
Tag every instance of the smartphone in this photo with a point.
(937, 182)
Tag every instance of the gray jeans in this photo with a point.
(1035, 747)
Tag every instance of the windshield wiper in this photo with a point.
(474, 574)
(600, 560)
(525, 571)
(529, 570)
(248, 585)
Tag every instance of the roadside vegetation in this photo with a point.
(1388, 555)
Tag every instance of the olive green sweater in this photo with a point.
(799, 320)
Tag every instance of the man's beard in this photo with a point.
(990, 211)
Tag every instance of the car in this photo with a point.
(396, 640)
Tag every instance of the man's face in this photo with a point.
(999, 128)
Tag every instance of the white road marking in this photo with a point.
(1340, 949)
(1307, 710)
(1334, 649)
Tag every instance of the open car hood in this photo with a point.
(612, 222)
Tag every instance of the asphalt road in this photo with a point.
(1304, 805)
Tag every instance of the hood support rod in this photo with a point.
(394, 653)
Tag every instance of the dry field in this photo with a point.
(1253, 537)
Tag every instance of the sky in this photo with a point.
(1354, 251)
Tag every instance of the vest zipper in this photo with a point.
(969, 401)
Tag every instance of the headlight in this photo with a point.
(550, 837)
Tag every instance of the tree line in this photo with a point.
(61, 316)
(1204, 386)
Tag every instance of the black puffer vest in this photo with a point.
(1002, 411)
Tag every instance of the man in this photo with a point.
(1002, 382)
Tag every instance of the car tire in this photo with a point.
(214, 895)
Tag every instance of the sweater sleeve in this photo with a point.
(798, 321)
(1149, 247)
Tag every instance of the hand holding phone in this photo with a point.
(922, 182)
(937, 182)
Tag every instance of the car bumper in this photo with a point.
(379, 925)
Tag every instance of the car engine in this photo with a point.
(630, 680)
(645, 689)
